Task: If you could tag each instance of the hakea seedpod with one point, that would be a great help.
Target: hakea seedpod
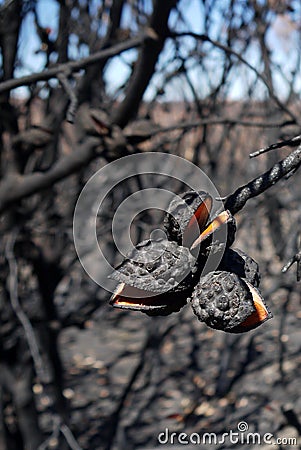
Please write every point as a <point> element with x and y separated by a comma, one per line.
<point>187,221</point>
<point>224,301</point>
<point>186,216</point>
<point>155,278</point>
<point>238,262</point>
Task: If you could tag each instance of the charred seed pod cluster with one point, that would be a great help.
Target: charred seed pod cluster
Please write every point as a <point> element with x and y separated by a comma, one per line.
<point>159,277</point>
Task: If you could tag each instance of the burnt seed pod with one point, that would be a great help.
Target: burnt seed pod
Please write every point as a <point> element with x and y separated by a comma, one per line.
<point>221,300</point>
<point>225,302</point>
<point>180,215</point>
<point>156,266</point>
<point>156,278</point>
<point>237,261</point>
<point>187,223</point>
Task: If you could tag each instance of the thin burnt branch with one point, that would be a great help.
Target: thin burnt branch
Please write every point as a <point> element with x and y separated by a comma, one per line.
<point>63,79</point>
<point>295,259</point>
<point>236,201</point>
<point>60,427</point>
<point>152,130</point>
<point>63,34</point>
<point>22,317</point>
<point>10,23</point>
<point>293,142</point>
<point>69,437</point>
<point>224,121</point>
<point>73,66</point>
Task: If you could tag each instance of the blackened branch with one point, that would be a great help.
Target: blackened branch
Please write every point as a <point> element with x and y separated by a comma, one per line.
<point>22,317</point>
<point>73,66</point>
<point>63,79</point>
<point>236,201</point>
<point>289,142</point>
<point>230,122</point>
<point>69,437</point>
<point>296,258</point>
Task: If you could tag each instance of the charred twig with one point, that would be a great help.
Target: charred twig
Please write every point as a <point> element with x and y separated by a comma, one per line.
<point>58,427</point>
<point>22,317</point>
<point>72,66</point>
<point>236,201</point>
<point>296,258</point>
<point>222,121</point>
<point>69,437</point>
<point>289,142</point>
<point>63,79</point>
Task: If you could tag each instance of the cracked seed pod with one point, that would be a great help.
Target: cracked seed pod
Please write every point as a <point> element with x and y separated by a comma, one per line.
<point>226,302</point>
<point>218,235</point>
<point>186,215</point>
<point>186,222</point>
<point>156,278</point>
<point>238,262</point>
